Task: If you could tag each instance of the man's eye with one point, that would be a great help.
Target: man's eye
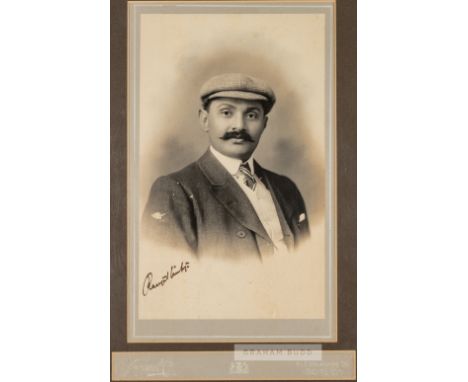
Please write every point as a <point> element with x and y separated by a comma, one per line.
<point>226,113</point>
<point>252,115</point>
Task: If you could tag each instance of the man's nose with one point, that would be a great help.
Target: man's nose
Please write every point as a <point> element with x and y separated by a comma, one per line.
<point>238,122</point>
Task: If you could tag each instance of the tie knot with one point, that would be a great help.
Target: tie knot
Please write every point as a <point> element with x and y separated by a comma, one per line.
<point>245,167</point>
<point>249,179</point>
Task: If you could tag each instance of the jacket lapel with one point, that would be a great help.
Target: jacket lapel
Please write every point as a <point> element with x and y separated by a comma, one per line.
<point>226,190</point>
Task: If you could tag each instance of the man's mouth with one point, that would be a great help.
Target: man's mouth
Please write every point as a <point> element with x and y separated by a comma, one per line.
<point>237,140</point>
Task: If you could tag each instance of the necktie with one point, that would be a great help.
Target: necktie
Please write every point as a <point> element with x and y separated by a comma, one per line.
<point>249,179</point>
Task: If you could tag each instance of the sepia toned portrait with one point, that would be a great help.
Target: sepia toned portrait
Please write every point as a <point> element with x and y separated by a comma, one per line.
<point>231,172</point>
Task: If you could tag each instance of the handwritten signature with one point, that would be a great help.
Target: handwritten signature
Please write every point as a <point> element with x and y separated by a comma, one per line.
<point>175,270</point>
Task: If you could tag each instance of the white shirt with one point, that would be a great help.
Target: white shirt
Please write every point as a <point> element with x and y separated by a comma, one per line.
<point>260,198</point>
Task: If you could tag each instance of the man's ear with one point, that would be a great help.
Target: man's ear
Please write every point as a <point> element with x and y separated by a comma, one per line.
<point>265,121</point>
<point>203,117</point>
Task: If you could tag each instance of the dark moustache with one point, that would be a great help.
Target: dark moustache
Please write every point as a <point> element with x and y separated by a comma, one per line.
<point>148,283</point>
<point>242,134</point>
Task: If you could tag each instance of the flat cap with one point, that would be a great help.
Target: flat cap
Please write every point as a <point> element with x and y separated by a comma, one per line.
<point>239,86</point>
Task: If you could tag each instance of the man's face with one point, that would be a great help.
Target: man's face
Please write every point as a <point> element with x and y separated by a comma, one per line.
<point>234,126</point>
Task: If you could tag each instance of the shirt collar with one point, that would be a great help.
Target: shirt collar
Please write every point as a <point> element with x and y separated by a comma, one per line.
<point>231,164</point>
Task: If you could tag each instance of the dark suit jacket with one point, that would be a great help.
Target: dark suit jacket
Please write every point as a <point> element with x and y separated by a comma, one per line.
<point>202,208</point>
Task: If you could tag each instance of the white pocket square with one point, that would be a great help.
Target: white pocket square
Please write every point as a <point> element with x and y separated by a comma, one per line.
<point>302,217</point>
<point>158,215</point>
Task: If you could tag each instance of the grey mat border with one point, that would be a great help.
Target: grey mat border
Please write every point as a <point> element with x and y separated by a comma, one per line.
<point>170,330</point>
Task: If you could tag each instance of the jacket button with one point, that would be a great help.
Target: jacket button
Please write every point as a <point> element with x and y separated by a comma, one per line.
<point>240,234</point>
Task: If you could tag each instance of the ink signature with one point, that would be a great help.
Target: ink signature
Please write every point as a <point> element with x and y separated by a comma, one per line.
<point>149,284</point>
